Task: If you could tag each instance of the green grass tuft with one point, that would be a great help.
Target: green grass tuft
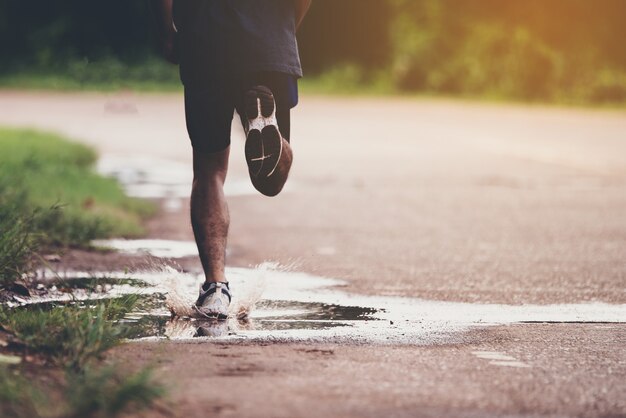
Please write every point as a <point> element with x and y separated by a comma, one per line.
<point>104,392</point>
<point>17,238</point>
<point>18,398</point>
<point>55,177</point>
<point>70,335</point>
<point>74,337</point>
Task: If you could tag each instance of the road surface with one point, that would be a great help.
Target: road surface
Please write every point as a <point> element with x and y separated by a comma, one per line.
<point>438,200</point>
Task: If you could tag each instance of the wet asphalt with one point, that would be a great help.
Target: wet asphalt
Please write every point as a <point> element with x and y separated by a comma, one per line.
<point>438,200</point>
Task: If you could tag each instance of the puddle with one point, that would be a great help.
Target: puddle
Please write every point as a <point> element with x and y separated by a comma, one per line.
<point>154,178</point>
<point>162,248</point>
<point>284,305</point>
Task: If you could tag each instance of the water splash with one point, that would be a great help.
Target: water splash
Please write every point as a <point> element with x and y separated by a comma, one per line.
<point>181,289</point>
<point>280,304</point>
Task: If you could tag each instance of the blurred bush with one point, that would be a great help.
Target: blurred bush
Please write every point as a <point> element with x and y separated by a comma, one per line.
<point>48,34</point>
<point>531,50</point>
<point>49,191</point>
<point>557,50</point>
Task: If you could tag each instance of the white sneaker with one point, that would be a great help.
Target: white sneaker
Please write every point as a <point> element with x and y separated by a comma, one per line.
<point>213,301</point>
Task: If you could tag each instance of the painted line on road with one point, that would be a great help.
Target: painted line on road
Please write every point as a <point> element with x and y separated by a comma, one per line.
<point>499,359</point>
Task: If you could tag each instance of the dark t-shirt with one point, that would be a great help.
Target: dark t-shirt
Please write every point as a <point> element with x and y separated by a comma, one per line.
<point>237,36</point>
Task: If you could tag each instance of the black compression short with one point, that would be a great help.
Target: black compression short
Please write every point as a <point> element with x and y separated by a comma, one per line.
<point>209,106</point>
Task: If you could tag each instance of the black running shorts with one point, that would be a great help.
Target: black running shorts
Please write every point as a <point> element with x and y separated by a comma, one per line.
<point>226,47</point>
<point>210,105</point>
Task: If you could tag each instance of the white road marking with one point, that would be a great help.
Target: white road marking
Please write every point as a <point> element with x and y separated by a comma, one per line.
<point>492,355</point>
<point>499,359</point>
<point>509,364</point>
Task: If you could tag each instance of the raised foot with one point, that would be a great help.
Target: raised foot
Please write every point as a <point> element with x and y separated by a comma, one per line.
<point>268,154</point>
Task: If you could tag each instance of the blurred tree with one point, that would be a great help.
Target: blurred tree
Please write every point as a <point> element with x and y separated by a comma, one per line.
<point>532,49</point>
<point>337,32</point>
<point>47,33</point>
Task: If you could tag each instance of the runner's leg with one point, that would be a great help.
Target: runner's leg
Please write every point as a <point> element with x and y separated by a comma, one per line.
<point>209,212</point>
<point>209,115</point>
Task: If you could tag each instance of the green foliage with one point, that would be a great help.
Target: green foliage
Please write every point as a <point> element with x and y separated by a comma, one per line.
<point>66,226</point>
<point>42,34</point>
<point>558,50</point>
<point>18,398</point>
<point>104,392</point>
<point>348,79</point>
<point>36,171</point>
<point>49,196</point>
<point>482,47</point>
<point>495,62</point>
<point>71,335</point>
<point>73,204</point>
<point>17,237</point>
<point>104,74</point>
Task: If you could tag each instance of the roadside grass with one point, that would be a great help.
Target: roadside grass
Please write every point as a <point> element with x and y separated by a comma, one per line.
<point>51,197</point>
<point>74,338</point>
<point>56,174</point>
<point>63,82</point>
<point>108,74</point>
<point>17,241</point>
<point>351,81</point>
<point>604,90</point>
<point>18,398</point>
<point>105,392</point>
<point>96,392</point>
<point>70,335</point>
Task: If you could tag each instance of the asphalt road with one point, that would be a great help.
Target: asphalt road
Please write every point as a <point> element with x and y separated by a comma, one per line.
<point>437,200</point>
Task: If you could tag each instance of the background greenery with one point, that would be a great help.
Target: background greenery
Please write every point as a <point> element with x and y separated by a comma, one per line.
<point>556,50</point>
<point>47,171</point>
<point>50,197</point>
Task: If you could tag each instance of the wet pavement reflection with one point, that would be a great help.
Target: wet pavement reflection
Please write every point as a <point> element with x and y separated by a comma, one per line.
<point>272,303</point>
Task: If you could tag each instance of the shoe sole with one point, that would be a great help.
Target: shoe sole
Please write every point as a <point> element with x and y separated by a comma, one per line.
<point>264,144</point>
